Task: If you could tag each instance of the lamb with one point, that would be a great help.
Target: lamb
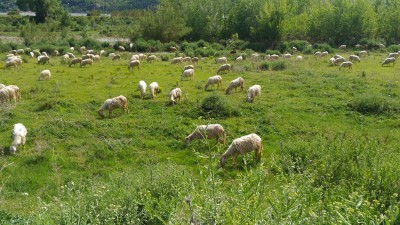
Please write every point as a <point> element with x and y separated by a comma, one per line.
<point>347,64</point>
<point>151,58</point>
<point>224,67</point>
<point>210,131</point>
<point>222,60</point>
<point>388,61</point>
<point>177,60</point>
<point>154,89</point>
<point>86,62</point>
<point>187,73</point>
<point>238,82</point>
<point>253,91</point>
<point>134,63</point>
<point>354,58</point>
<point>241,146</point>
<point>44,75</point>
<point>175,94</point>
<point>18,136</point>
<point>75,61</point>
<point>318,53</point>
<point>213,80</point>
<point>42,59</point>
<point>113,103</point>
<point>142,87</point>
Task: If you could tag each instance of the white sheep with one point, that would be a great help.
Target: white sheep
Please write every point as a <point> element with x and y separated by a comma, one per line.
<point>20,51</point>
<point>388,61</point>
<point>135,57</point>
<point>239,59</point>
<point>70,55</point>
<point>210,131</point>
<point>177,60</point>
<point>195,60</point>
<point>189,73</point>
<point>15,89</point>
<point>151,58</point>
<point>42,59</point>
<point>134,63</point>
<point>253,91</point>
<point>87,62</point>
<point>187,59</point>
<point>113,103</point>
<point>224,67</point>
<point>299,58</point>
<point>274,57</point>
<point>332,61</point>
<point>238,82</point>
<point>142,88</point>
<point>142,56</point>
<point>324,54</point>
<point>4,95</point>
<point>187,67</point>
<point>154,89</point>
<point>287,56</point>
<point>213,80</point>
<point>339,60</point>
<point>347,64</point>
<point>121,48</point>
<point>393,54</point>
<point>10,64</point>
<point>354,58</point>
<point>343,47</point>
<point>18,136</point>
<point>44,75</point>
<point>116,57</point>
<point>75,61</point>
<point>175,94</point>
<point>241,146</point>
<point>363,53</point>
<point>318,53</point>
<point>222,60</point>
<point>255,56</point>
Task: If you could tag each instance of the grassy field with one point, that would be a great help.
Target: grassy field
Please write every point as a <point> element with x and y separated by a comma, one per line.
<point>330,142</point>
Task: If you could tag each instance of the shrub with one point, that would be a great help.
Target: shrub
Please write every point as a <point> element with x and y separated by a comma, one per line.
<point>373,104</point>
<point>308,50</point>
<point>393,48</point>
<point>299,44</point>
<point>142,45</point>
<point>216,106</point>
<point>90,43</point>
<point>324,47</point>
<point>370,43</point>
<point>4,47</point>
<point>263,66</point>
<point>279,65</point>
<point>164,58</point>
<point>202,44</point>
<point>271,52</point>
<point>170,44</point>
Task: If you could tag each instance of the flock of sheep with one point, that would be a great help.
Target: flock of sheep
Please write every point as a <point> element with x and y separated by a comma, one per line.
<point>242,145</point>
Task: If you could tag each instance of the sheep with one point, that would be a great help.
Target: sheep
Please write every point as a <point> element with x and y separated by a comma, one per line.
<point>363,53</point>
<point>142,87</point>
<point>195,60</point>
<point>274,57</point>
<point>116,57</point>
<point>286,56</point>
<point>32,54</point>
<point>317,53</point>
<point>121,48</point>
<point>86,62</point>
<point>241,146</point>
<point>44,75</point>
<point>388,61</point>
<point>332,61</point>
<point>187,59</point>
<point>177,60</point>
<point>75,61</point>
<point>187,73</point>
<point>96,57</point>
<point>381,46</point>
<point>56,53</point>
<point>70,55</point>
<point>347,64</point>
<point>82,49</point>
<point>210,131</point>
<point>299,58</point>
<point>172,49</point>
<point>187,67</point>
<point>354,58</point>
<point>90,51</point>
<point>113,103</point>
<point>10,64</point>
<point>102,52</point>
<point>222,60</point>
<point>213,80</point>
<point>87,56</point>
<point>45,54</point>
<point>224,67</point>
<point>239,59</point>
<point>15,89</point>
<point>42,59</point>
<point>142,56</point>
<point>238,82</point>
<point>254,56</point>
<point>18,136</point>
<point>343,47</point>
<point>65,57</point>
<point>339,60</point>
<point>324,54</point>
<point>111,55</point>
<point>134,63</point>
<point>151,58</point>
<point>12,93</point>
<point>135,57</point>
<point>20,51</point>
<point>337,56</point>
<point>4,95</point>
<point>253,91</point>
<point>175,94</point>
<point>154,89</point>
<point>393,54</point>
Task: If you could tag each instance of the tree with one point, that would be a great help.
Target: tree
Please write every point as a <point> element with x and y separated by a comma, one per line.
<point>42,8</point>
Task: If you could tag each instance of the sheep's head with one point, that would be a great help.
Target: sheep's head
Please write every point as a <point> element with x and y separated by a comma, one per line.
<point>222,161</point>
<point>12,150</point>
<point>100,112</point>
<point>186,141</point>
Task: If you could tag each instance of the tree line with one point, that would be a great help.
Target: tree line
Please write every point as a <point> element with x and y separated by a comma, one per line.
<point>264,23</point>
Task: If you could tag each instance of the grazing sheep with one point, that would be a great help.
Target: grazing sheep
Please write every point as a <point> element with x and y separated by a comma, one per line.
<point>87,62</point>
<point>56,53</point>
<point>363,53</point>
<point>213,80</point>
<point>189,73</point>
<point>173,49</point>
<point>238,82</point>
<point>255,56</point>
<point>10,64</point>
<point>253,91</point>
<point>339,60</point>
<point>381,46</point>
<point>32,54</point>
<point>195,60</point>
<point>44,75</point>
<point>121,48</point>
<point>274,57</point>
<point>135,57</point>
<point>239,59</point>
<point>142,56</point>
<point>324,54</point>
<point>96,57</point>
<point>187,59</point>
<point>75,61</point>
<point>175,94</point>
<point>142,87</point>
<point>299,58</point>
<point>42,59</point>
<point>154,89</point>
<point>354,58</point>
<point>113,103</point>
<point>347,64</point>
<point>82,49</point>
<point>102,52</point>
<point>286,56</point>
<point>90,51</point>
<point>224,67</point>
<point>4,95</point>
<point>211,131</point>
<point>317,53</point>
<point>116,57</point>
<point>111,55</point>
<point>65,57</point>
<point>241,146</point>
<point>134,63</point>
<point>15,89</point>
<point>393,54</point>
<point>18,136</point>
<point>20,51</point>
<point>337,56</point>
<point>177,60</point>
<point>388,61</point>
<point>343,47</point>
<point>70,55</point>
<point>151,58</point>
<point>332,61</point>
<point>187,67</point>
<point>222,60</point>
<point>87,56</point>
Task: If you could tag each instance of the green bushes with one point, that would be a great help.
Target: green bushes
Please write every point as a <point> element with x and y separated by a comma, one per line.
<point>373,104</point>
<point>279,65</point>
<point>216,106</point>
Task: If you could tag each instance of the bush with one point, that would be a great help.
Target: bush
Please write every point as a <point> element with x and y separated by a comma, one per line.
<point>202,44</point>
<point>370,43</point>
<point>216,106</point>
<point>141,45</point>
<point>324,47</point>
<point>271,52</point>
<point>308,50</point>
<point>373,104</point>
<point>5,47</point>
<point>170,44</point>
<point>393,48</point>
<point>263,66</point>
<point>90,43</point>
<point>299,44</point>
<point>279,65</point>
<point>164,58</point>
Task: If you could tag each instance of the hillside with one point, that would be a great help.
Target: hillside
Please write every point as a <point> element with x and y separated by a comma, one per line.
<point>87,5</point>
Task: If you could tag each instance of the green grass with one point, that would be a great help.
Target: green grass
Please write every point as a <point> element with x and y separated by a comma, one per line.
<point>330,145</point>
